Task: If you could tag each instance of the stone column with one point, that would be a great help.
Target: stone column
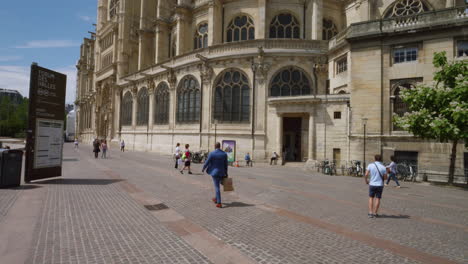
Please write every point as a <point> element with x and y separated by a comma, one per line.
<point>161,41</point>
<point>260,27</point>
<point>311,148</point>
<point>317,18</point>
<point>450,3</point>
<point>214,23</point>
<point>134,107</point>
<point>279,137</point>
<point>151,105</point>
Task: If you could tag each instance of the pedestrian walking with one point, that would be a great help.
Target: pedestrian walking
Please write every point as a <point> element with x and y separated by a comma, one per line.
<point>177,155</point>
<point>96,149</point>
<point>248,160</point>
<point>392,171</point>
<point>378,174</point>
<point>217,166</point>
<point>186,158</point>
<point>76,143</point>
<point>104,149</point>
<point>122,145</point>
<point>274,158</point>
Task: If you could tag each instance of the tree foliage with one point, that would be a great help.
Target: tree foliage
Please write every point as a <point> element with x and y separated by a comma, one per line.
<point>440,110</point>
<point>13,117</point>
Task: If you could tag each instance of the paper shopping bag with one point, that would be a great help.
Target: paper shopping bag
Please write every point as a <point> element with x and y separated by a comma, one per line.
<point>227,185</point>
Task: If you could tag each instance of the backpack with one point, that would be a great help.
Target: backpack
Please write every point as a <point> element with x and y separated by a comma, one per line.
<point>183,156</point>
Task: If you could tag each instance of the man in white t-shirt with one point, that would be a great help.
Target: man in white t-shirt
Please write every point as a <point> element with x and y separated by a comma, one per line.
<point>378,174</point>
<point>177,155</point>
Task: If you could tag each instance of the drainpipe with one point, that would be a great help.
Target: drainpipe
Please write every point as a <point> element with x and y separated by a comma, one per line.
<point>304,19</point>
<point>381,90</point>
<point>254,71</point>
<point>222,27</point>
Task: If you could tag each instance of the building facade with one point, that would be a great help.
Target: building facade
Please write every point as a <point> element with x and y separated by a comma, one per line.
<point>303,78</point>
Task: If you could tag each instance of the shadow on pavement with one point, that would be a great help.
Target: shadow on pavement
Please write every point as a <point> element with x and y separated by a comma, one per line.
<point>236,204</point>
<point>23,187</point>
<point>74,181</point>
<point>394,216</point>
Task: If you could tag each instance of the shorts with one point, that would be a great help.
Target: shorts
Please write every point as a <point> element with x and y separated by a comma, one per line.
<point>375,191</point>
<point>187,163</point>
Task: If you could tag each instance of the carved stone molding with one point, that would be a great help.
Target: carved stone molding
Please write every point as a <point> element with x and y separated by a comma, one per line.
<point>260,67</point>
<point>171,76</point>
<point>151,86</point>
<point>206,71</point>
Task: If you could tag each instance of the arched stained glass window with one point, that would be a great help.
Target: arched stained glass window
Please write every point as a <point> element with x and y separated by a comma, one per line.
<point>232,97</point>
<point>143,107</point>
<point>290,81</point>
<point>240,28</point>
<point>201,37</point>
<point>406,8</point>
<point>126,110</point>
<point>285,26</point>
<point>188,100</point>
<point>329,29</point>
<point>161,113</point>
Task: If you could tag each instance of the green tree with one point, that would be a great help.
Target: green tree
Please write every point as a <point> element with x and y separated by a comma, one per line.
<point>13,117</point>
<point>439,111</point>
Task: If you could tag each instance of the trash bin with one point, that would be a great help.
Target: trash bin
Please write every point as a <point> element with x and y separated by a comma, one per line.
<point>10,167</point>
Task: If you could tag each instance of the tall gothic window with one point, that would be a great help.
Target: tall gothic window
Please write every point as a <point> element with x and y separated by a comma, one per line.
<point>285,26</point>
<point>406,8</point>
<point>126,110</point>
<point>329,29</point>
<point>161,115</point>
<point>240,28</point>
<point>188,100</point>
<point>201,37</point>
<point>290,81</point>
<point>232,97</point>
<point>143,107</point>
<point>113,8</point>
<point>399,106</point>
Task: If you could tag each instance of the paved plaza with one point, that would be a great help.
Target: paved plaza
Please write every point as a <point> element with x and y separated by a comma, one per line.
<point>134,207</point>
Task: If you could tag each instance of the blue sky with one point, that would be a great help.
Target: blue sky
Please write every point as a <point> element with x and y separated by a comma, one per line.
<point>48,32</point>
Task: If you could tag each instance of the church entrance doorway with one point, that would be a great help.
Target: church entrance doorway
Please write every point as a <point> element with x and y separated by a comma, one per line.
<point>292,139</point>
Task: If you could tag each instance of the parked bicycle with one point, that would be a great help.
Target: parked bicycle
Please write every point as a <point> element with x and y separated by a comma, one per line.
<point>199,156</point>
<point>355,169</point>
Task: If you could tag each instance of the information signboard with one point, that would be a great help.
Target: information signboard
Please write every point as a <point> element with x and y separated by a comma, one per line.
<point>44,141</point>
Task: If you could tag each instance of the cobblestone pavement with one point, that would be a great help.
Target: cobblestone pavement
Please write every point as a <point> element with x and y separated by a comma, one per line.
<point>7,199</point>
<point>276,215</point>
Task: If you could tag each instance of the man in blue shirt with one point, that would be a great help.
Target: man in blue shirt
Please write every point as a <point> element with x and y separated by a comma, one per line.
<point>248,161</point>
<point>217,166</point>
<point>377,173</point>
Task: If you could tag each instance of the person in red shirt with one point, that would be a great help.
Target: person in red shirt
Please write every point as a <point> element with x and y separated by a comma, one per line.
<point>187,157</point>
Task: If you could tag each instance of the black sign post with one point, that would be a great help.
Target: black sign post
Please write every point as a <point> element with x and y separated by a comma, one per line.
<point>44,140</point>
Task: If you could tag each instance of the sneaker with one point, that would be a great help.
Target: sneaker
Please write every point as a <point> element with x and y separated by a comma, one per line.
<point>376,215</point>
<point>370,215</point>
<point>398,186</point>
<point>214,200</point>
<point>190,172</point>
<point>219,205</point>
<point>181,172</point>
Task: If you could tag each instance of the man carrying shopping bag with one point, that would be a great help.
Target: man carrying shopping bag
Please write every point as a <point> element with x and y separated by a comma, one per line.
<point>217,166</point>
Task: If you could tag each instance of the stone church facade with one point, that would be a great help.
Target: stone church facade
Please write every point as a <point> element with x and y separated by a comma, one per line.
<point>303,78</point>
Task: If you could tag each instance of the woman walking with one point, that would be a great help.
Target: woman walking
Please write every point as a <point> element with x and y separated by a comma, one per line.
<point>186,159</point>
<point>104,149</point>
<point>96,149</point>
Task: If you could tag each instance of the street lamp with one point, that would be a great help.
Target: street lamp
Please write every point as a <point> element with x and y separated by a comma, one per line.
<point>215,122</point>
<point>364,122</point>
